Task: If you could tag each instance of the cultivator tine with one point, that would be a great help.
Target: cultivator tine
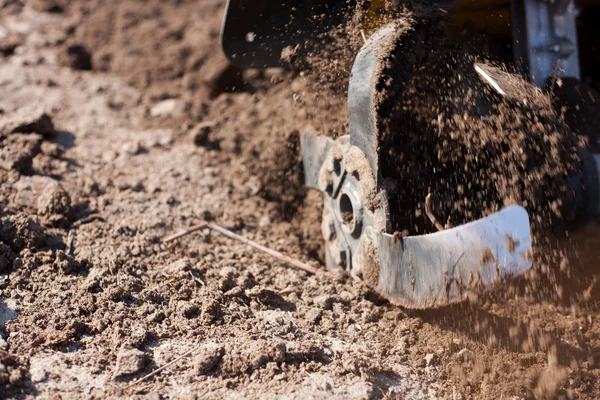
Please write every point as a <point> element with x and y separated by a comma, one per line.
<point>314,151</point>
<point>444,267</point>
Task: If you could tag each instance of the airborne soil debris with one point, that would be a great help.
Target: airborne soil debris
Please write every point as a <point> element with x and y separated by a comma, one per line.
<point>120,303</point>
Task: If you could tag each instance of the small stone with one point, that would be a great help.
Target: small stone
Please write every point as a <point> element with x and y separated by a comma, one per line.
<point>164,108</point>
<point>130,361</point>
<point>133,148</point>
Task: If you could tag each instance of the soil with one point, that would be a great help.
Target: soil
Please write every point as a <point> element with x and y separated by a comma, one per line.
<point>97,166</point>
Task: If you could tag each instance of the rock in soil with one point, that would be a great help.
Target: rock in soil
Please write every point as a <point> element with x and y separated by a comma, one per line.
<point>129,362</point>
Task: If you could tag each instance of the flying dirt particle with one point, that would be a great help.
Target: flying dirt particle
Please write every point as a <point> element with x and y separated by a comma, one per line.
<point>486,256</point>
<point>549,382</point>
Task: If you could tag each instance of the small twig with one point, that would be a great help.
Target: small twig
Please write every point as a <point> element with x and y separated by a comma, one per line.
<point>429,213</point>
<point>185,233</point>
<point>167,365</point>
<point>251,243</point>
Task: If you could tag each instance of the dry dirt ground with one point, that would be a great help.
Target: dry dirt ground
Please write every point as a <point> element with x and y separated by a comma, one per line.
<point>121,123</point>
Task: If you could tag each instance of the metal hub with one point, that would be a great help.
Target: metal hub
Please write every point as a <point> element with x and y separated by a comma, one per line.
<point>346,219</point>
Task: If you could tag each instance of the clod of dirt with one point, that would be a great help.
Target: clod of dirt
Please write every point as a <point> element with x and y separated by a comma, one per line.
<point>7,256</point>
<point>228,278</point>
<point>17,152</point>
<point>12,372</point>
<point>76,57</point>
<point>201,133</point>
<point>54,200</point>
<point>9,43</point>
<point>53,150</point>
<point>326,301</point>
<point>130,361</point>
<point>253,355</point>
<point>27,120</point>
<point>66,263</point>
<point>208,359</point>
<point>20,231</point>
<point>50,6</point>
<point>211,310</point>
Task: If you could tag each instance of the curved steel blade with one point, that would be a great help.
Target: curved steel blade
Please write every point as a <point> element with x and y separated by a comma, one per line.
<point>362,92</point>
<point>444,267</point>
<point>314,150</point>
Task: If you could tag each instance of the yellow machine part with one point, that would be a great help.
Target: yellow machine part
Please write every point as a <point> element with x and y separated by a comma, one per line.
<point>489,16</point>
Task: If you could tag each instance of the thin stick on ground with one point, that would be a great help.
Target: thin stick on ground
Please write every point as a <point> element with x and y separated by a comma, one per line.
<point>225,232</point>
<point>167,365</point>
<point>429,213</point>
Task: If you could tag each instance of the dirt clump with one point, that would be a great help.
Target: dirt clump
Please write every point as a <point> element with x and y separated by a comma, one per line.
<point>130,361</point>
<point>12,372</point>
<point>76,56</point>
